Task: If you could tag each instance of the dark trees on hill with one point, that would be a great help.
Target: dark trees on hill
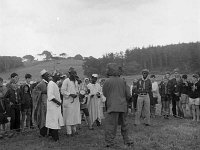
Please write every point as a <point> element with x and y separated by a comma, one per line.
<point>185,56</point>
<point>8,62</point>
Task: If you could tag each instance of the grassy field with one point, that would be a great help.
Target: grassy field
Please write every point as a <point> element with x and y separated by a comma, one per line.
<point>34,69</point>
<point>172,134</point>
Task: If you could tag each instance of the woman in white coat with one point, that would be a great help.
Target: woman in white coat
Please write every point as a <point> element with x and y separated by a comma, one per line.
<point>54,119</point>
<point>71,104</point>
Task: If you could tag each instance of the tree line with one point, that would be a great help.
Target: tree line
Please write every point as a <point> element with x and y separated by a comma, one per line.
<point>158,59</point>
<point>10,62</point>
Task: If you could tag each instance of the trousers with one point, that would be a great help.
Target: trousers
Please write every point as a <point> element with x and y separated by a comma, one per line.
<point>112,120</point>
<point>143,104</point>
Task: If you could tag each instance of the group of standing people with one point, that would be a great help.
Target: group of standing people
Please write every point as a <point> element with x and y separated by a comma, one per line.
<point>15,104</point>
<point>182,92</point>
<point>56,101</point>
<point>59,100</point>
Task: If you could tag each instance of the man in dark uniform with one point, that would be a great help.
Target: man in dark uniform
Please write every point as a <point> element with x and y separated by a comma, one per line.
<point>116,92</point>
<point>175,93</point>
<point>144,90</point>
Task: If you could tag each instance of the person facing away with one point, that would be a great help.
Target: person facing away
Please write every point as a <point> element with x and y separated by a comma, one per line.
<point>116,93</point>
<point>54,119</point>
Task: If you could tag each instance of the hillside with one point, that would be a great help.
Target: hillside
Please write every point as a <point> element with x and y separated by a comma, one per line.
<point>61,65</point>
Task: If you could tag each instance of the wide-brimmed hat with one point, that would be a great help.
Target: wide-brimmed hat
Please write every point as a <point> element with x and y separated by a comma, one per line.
<point>145,71</point>
<point>43,72</point>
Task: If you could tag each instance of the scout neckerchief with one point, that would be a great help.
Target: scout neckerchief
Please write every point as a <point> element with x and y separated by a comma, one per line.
<point>143,82</point>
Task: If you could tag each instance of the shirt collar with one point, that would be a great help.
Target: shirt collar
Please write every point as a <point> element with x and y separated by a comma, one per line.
<point>44,80</point>
<point>144,79</point>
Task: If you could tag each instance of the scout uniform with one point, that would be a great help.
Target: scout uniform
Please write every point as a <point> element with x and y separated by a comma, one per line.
<point>144,89</point>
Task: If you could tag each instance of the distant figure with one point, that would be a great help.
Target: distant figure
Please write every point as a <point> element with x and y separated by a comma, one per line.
<point>144,90</point>
<point>116,92</point>
<point>164,90</point>
<point>194,94</point>
<point>3,109</point>
<point>26,107</point>
<point>175,94</point>
<point>14,98</point>
<point>83,97</point>
<point>184,91</point>
<point>94,99</point>
<point>155,95</point>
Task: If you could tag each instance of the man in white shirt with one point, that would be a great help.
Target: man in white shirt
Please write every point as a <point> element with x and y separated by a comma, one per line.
<point>154,97</point>
<point>54,119</point>
<point>71,104</point>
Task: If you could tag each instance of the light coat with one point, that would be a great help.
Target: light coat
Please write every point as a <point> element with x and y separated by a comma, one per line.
<point>54,119</point>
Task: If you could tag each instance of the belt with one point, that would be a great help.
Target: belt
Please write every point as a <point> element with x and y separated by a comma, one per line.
<point>143,94</point>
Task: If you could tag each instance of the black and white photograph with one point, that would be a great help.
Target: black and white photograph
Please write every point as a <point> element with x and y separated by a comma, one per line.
<point>99,75</point>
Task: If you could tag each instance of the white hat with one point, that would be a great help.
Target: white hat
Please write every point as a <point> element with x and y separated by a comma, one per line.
<point>43,72</point>
<point>95,75</point>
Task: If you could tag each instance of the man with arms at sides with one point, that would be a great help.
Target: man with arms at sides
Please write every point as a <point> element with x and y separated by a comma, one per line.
<point>40,103</point>
<point>116,92</point>
<point>144,90</point>
<point>94,100</point>
<point>71,104</point>
<point>54,119</point>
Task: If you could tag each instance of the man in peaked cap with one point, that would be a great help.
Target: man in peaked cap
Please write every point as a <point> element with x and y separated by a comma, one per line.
<point>40,102</point>
<point>144,90</point>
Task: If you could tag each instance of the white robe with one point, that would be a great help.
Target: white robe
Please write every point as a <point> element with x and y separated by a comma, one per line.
<point>71,108</point>
<point>94,102</point>
<point>54,119</point>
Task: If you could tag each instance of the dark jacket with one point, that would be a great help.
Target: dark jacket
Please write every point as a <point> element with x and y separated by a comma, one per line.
<point>174,87</point>
<point>141,88</point>
<point>164,89</point>
<point>26,99</point>
<point>196,92</point>
<point>13,96</point>
<point>184,88</point>
<point>116,92</point>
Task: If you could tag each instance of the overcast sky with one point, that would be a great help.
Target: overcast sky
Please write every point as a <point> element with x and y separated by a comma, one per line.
<point>94,27</point>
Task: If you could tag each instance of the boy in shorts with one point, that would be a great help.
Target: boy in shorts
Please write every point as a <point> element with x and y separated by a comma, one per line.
<point>194,94</point>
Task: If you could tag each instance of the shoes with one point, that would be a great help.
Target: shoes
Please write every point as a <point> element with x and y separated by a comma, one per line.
<point>146,124</point>
<point>91,128</point>
<point>129,144</point>
<point>69,135</point>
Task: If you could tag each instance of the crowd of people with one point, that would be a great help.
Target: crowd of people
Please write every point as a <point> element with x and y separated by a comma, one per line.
<point>64,100</point>
<point>181,92</point>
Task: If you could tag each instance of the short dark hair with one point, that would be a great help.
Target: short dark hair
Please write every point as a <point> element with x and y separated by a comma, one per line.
<point>28,76</point>
<point>13,75</point>
<point>1,79</point>
<point>184,76</point>
<point>152,76</point>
